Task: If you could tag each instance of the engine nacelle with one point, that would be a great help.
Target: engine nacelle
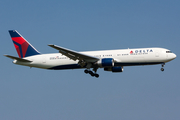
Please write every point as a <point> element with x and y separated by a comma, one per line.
<point>114,69</point>
<point>106,62</point>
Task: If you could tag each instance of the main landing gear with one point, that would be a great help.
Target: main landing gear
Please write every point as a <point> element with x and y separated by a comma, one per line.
<point>163,64</point>
<point>89,65</point>
<point>91,73</point>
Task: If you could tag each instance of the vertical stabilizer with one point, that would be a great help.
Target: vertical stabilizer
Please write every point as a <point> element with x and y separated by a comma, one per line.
<point>23,47</point>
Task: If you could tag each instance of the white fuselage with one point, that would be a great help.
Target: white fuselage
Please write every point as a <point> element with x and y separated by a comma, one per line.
<point>122,57</point>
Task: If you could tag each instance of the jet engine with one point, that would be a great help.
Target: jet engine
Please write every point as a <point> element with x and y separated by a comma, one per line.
<point>114,69</point>
<point>106,62</point>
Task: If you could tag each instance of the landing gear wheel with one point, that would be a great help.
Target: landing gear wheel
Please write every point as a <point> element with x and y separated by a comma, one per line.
<point>96,75</point>
<point>163,64</point>
<point>91,73</point>
<point>86,71</point>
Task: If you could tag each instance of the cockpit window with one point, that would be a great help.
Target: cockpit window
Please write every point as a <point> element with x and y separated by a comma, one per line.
<point>168,52</point>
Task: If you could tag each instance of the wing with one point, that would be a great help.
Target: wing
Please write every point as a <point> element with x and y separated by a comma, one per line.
<point>18,59</point>
<point>75,55</point>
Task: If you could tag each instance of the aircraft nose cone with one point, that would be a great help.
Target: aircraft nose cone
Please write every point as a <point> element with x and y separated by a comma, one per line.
<point>171,56</point>
<point>174,56</point>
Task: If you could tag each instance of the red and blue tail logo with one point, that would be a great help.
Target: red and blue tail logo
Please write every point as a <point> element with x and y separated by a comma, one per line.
<point>23,47</point>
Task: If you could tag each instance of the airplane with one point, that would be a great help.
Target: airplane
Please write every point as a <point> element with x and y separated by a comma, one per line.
<point>110,60</point>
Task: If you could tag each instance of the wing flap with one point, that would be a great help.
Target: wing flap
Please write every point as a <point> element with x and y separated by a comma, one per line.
<point>74,55</point>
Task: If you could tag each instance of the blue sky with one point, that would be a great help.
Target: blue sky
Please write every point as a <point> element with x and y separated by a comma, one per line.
<point>141,92</point>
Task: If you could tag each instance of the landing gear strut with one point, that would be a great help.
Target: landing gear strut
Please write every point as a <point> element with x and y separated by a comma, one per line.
<point>163,64</point>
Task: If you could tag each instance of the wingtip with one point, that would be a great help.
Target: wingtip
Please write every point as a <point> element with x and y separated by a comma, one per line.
<point>6,55</point>
<point>50,45</point>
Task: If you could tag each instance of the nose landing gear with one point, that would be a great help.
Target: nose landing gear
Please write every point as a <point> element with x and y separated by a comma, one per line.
<point>163,64</point>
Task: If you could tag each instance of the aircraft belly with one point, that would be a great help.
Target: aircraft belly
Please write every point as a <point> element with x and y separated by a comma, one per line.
<point>67,66</point>
<point>62,64</point>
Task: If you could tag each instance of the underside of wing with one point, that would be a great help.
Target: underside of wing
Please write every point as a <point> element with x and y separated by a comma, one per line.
<point>74,55</point>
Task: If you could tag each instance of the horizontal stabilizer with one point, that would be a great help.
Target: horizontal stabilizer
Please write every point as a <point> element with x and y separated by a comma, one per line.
<point>18,59</point>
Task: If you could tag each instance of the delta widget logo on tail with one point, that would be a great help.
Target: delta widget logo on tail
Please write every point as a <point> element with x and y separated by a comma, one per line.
<point>23,48</point>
